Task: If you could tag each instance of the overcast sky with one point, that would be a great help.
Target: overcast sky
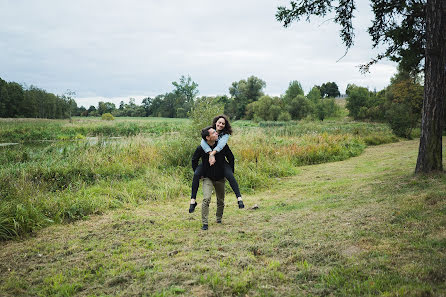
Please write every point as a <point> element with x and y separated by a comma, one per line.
<point>113,50</point>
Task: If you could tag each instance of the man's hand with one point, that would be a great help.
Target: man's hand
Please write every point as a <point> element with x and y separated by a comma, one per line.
<point>211,160</point>
<point>212,157</point>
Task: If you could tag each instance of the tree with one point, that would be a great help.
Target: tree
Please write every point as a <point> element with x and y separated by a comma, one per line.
<point>91,111</point>
<point>70,102</point>
<point>242,93</point>
<point>147,104</point>
<point>166,108</point>
<point>411,31</point>
<point>82,111</point>
<point>315,94</point>
<point>329,89</point>
<point>404,99</point>
<point>185,90</point>
<point>326,108</point>
<point>4,99</point>
<point>105,107</point>
<point>430,151</point>
<point>266,109</point>
<point>300,107</point>
<point>16,98</point>
<point>358,101</point>
<point>404,103</point>
<point>294,89</point>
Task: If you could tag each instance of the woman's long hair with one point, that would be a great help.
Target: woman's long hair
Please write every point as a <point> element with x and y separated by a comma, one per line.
<point>227,129</point>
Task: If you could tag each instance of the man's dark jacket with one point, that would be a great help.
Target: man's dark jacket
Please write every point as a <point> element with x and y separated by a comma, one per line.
<point>216,171</point>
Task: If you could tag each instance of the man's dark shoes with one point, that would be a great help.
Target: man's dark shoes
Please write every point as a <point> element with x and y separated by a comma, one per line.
<point>240,204</point>
<point>218,221</point>
<point>205,227</point>
<point>192,207</point>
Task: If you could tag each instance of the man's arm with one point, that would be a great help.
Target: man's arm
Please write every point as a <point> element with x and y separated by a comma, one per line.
<point>222,141</point>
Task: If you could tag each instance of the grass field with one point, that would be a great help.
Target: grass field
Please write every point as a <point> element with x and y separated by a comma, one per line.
<point>365,226</point>
<point>25,130</point>
<point>59,181</point>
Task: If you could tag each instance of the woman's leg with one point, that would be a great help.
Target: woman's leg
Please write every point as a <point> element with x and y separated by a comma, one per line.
<point>195,184</point>
<point>196,181</point>
<point>231,179</point>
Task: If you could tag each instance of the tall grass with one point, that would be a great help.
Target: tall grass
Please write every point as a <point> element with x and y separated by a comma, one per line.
<point>65,181</point>
<point>371,133</point>
<point>24,130</point>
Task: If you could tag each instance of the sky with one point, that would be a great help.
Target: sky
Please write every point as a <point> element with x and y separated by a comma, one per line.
<point>110,50</point>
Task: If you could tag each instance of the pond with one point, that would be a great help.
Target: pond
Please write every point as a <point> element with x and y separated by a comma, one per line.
<point>8,144</point>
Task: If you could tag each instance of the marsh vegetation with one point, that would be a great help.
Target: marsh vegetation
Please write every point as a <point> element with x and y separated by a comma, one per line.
<point>57,174</point>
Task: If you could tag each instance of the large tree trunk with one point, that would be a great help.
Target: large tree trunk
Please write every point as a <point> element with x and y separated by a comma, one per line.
<point>430,151</point>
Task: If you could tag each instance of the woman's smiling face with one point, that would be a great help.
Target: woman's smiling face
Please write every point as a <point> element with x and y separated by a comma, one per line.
<point>220,124</point>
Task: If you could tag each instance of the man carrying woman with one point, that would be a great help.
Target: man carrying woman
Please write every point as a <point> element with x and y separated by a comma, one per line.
<point>222,127</point>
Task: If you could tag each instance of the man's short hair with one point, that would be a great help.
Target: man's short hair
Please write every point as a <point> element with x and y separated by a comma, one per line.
<point>205,132</point>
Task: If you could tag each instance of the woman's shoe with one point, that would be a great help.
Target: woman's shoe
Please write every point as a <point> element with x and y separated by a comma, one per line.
<point>192,207</point>
<point>240,204</point>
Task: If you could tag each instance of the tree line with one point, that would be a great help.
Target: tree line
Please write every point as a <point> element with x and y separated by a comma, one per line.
<point>247,100</point>
<point>399,104</point>
<point>17,101</point>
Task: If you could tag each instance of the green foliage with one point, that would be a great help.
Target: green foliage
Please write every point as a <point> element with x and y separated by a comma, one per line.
<point>294,89</point>
<point>329,90</point>
<point>16,101</point>
<point>404,103</point>
<point>401,119</point>
<point>107,116</point>
<point>358,97</point>
<point>299,107</point>
<point>105,107</point>
<point>202,114</point>
<point>399,104</point>
<point>185,90</point>
<point>315,94</point>
<point>326,108</point>
<point>242,93</point>
<point>284,116</point>
<point>131,109</point>
<point>265,109</point>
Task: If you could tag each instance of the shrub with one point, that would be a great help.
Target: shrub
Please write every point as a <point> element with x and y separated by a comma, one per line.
<point>401,119</point>
<point>326,108</point>
<point>284,116</point>
<point>108,116</point>
<point>358,97</point>
<point>202,114</point>
<point>299,107</point>
<point>266,108</point>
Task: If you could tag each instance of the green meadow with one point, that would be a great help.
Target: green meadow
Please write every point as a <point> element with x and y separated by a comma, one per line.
<point>95,208</point>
